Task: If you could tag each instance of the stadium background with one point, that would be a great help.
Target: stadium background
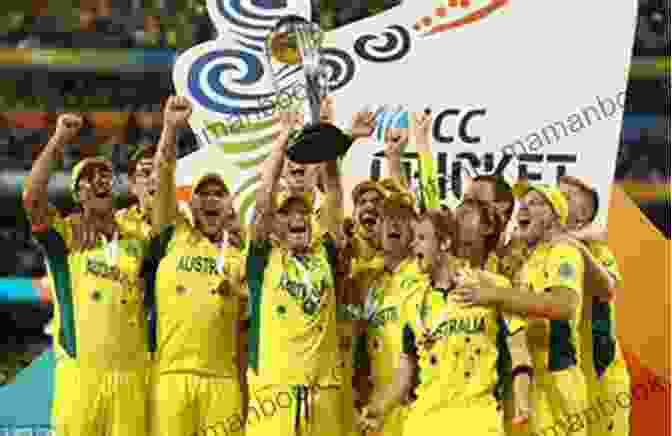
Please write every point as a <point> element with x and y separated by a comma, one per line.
<point>46,68</point>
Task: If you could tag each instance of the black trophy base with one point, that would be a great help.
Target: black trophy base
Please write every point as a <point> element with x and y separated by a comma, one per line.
<point>319,143</point>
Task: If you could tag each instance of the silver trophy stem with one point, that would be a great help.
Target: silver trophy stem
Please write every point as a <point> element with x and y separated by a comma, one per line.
<point>276,83</point>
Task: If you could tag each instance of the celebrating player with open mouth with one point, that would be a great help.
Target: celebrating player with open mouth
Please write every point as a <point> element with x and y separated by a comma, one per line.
<point>196,289</point>
<point>549,291</point>
<point>100,323</point>
<point>460,353</point>
<point>293,342</point>
<point>387,291</point>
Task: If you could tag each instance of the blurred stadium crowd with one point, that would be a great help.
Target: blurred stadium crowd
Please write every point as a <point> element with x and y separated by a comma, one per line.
<point>174,25</point>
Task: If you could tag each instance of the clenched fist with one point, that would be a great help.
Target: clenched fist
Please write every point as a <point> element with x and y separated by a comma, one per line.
<point>68,126</point>
<point>177,111</point>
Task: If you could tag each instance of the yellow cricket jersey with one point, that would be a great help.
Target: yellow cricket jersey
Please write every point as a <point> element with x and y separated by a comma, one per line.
<point>462,352</point>
<point>366,255</point>
<point>196,301</point>
<point>553,343</point>
<point>606,350</point>
<point>99,315</point>
<point>517,254</point>
<point>136,219</point>
<point>293,338</point>
<point>388,294</point>
<point>514,323</point>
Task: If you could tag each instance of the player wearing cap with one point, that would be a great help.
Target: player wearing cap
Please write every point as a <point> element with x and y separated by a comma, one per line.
<point>293,344</point>
<point>604,364</point>
<point>196,299</point>
<point>548,290</point>
<point>461,353</point>
<point>100,325</point>
<point>386,290</point>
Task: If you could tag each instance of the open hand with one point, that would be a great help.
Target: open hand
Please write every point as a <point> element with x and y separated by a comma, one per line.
<point>363,124</point>
<point>421,126</point>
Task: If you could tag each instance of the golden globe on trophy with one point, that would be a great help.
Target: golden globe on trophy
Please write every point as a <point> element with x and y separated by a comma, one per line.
<point>296,41</point>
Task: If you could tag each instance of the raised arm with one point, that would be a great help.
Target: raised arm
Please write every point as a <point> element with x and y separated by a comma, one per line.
<point>331,217</point>
<point>421,133</point>
<point>35,192</point>
<point>395,139</point>
<point>175,115</point>
<point>263,225</point>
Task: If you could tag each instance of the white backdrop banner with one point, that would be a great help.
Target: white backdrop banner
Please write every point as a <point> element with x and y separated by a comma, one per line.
<point>523,88</point>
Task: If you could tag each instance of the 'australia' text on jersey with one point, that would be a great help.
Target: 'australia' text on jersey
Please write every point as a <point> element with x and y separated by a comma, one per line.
<point>199,264</point>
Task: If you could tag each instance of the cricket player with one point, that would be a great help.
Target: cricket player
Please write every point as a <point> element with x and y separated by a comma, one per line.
<point>143,187</point>
<point>604,364</point>
<point>460,353</point>
<point>387,291</point>
<point>196,288</point>
<point>549,292</point>
<point>492,190</point>
<point>100,328</point>
<point>293,345</point>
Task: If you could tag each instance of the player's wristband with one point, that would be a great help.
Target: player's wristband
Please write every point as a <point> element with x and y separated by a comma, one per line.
<point>522,369</point>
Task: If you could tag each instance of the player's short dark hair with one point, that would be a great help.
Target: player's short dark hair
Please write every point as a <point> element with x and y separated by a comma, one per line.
<point>443,221</point>
<point>490,217</point>
<point>143,152</point>
<point>503,191</point>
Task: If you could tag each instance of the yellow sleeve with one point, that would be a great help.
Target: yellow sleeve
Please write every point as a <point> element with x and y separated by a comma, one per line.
<point>429,185</point>
<point>606,258</point>
<point>564,268</point>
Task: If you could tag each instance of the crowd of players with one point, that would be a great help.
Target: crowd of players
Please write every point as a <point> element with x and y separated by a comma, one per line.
<point>490,317</point>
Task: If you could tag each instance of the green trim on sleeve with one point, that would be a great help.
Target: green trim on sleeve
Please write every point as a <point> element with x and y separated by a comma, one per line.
<point>56,254</point>
<point>257,259</point>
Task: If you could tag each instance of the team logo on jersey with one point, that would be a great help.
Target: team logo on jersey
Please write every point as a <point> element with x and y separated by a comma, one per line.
<point>101,269</point>
<point>309,296</point>
<point>567,271</point>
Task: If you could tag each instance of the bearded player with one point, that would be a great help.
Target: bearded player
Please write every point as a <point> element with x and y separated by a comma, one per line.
<point>100,330</point>
<point>293,342</point>
<point>549,292</point>
<point>605,367</point>
<point>460,353</point>
<point>195,282</point>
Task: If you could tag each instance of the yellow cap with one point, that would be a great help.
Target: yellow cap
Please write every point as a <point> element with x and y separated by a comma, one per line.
<point>367,185</point>
<point>283,197</point>
<point>210,176</point>
<point>79,169</point>
<point>552,193</point>
<point>397,201</point>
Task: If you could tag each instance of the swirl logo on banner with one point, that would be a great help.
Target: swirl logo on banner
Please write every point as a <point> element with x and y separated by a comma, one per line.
<point>532,103</point>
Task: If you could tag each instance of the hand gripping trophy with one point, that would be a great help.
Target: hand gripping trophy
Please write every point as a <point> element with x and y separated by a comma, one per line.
<point>295,41</point>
